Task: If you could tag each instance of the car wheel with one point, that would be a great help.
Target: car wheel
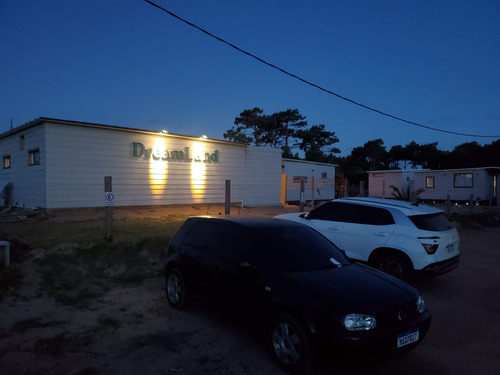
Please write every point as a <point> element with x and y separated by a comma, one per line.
<point>394,265</point>
<point>290,344</point>
<point>175,288</point>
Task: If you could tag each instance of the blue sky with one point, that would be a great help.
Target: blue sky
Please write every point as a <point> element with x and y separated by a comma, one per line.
<point>126,63</point>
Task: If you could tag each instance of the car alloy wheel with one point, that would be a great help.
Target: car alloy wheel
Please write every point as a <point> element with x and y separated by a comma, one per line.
<point>175,288</point>
<point>290,343</point>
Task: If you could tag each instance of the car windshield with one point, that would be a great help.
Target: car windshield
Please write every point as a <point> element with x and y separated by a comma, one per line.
<point>296,249</point>
<point>432,222</point>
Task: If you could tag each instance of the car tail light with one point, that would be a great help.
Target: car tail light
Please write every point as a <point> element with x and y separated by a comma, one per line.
<point>430,248</point>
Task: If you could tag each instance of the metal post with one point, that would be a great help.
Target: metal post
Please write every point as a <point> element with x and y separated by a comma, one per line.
<point>312,191</point>
<point>301,202</point>
<point>471,204</point>
<point>228,198</point>
<point>448,205</point>
<point>108,188</point>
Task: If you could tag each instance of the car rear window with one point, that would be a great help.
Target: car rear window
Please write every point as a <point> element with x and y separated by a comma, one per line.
<point>432,222</point>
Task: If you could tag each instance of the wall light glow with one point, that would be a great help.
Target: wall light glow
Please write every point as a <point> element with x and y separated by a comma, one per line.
<point>198,172</point>
<point>157,170</point>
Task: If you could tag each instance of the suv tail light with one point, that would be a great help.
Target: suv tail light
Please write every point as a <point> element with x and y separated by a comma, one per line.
<point>430,248</point>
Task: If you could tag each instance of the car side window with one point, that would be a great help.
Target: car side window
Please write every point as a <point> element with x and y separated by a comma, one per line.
<point>369,215</point>
<point>236,246</point>
<point>331,211</point>
<point>205,236</point>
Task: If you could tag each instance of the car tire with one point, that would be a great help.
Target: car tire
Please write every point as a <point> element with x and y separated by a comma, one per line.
<point>290,344</point>
<point>395,265</point>
<point>175,288</point>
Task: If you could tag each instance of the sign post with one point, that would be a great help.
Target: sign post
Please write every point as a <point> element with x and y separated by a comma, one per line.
<point>109,202</point>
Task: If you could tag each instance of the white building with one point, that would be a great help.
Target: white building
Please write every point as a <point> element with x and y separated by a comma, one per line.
<point>380,182</point>
<point>54,163</point>
<point>319,180</point>
<point>458,184</point>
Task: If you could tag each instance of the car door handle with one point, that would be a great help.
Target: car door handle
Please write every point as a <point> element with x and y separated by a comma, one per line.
<point>382,234</point>
<point>334,228</point>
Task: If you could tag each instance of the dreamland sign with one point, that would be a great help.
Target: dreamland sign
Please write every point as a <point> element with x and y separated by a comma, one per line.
<point>162,153</point>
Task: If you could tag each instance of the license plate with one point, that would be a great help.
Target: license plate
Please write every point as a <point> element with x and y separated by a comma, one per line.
<point>407,338</point>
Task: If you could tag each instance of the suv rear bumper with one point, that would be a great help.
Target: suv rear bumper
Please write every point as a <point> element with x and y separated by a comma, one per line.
<point>442,267</point>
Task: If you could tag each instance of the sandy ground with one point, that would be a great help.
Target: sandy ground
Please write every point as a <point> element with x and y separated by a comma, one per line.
<point>131,329</point>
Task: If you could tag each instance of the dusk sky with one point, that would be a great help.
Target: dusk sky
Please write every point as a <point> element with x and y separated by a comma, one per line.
<point>128,63</point>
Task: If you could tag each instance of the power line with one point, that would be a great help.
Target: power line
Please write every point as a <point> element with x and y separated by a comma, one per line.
<point>313,84</point>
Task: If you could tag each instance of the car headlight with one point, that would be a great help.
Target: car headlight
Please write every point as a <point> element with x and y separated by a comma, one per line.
<point>359,322</point>
<point>420,304</point>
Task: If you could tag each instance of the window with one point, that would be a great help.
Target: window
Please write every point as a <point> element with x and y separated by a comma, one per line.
<point>205,237</point>
<point>34,157</point>
<point>236,245</point>
<point>297,179</point>
<point>6,162</point>
<point>431,222</point>
<point>463,180</point>
<point>369,215</point>
<point>429,182</point>
<point>330,211</point>
<point>286,249</point>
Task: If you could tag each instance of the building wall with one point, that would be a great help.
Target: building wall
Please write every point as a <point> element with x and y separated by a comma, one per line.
<point>482,188</point>
<point>380,182</point>
<point>324,180</point>
<point>28,180</point>
<point>79,157</point>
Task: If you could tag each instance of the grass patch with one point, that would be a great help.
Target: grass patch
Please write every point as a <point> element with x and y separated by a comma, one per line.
<point>75,275</point>
<point>50,235</point>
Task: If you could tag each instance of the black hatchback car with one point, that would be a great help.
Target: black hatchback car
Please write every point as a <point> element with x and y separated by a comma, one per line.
<point>287,277</point>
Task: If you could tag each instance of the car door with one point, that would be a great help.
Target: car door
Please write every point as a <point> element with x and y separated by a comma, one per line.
<point>239,282</point>
<point>366,228</point>
<point>198,252</point>
<point>329,219</point>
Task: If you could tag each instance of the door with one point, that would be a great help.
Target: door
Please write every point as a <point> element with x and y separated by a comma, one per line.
<point>198,252</point>
<point>329,219</point>
<point>239,283</point>
<point>366,228</point>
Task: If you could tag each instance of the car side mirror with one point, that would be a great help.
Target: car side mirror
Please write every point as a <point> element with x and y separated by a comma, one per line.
<point>304,216</point>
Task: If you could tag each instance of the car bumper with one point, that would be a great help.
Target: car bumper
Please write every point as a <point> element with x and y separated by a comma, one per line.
<point>442,267</point>
<point>374,342</point>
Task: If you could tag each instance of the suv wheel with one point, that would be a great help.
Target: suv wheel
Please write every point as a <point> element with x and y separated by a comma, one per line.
<point>395,265</point>
<point>175,288</point>
<point>290,343</point>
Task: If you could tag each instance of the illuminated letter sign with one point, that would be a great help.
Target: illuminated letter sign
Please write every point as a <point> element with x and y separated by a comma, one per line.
<point>157,153</point>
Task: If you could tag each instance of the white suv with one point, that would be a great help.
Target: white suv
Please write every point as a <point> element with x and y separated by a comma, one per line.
<point>394,236</point>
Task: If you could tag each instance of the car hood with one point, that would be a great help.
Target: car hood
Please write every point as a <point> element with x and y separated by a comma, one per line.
<point>352,288</point>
